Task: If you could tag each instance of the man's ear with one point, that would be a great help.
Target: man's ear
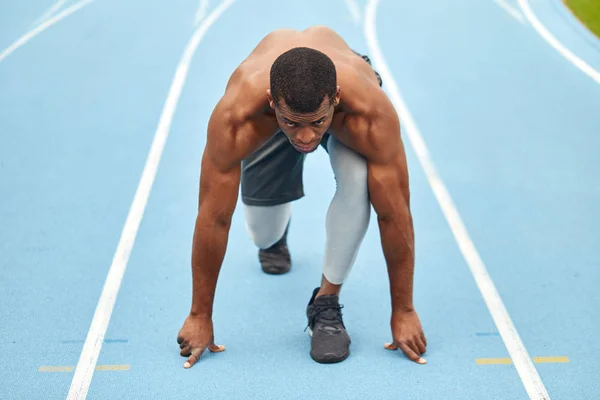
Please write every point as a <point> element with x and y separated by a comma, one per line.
<point>270,98</point>
<point>336,99</point>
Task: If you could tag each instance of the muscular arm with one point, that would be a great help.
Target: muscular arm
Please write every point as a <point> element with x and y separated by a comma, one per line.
<point>390,196</point>
<point>219,182</point>
<point>232,135</point>
<point>390,200</point>
<point>219,186</point>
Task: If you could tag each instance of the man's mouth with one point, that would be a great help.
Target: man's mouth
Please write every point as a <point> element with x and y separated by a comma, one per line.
<point>305,148</point>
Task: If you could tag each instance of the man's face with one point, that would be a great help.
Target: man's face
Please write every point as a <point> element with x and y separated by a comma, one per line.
<point>305,130</point>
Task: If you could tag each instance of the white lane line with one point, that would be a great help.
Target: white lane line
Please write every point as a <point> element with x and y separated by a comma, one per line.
<point>516,349</point>
<point>511,11</point>
<point>95,337</point>
<point>354,10</point>
<point>53,8</point>
<point>558,46</point>
<point>201,12</point>
<point>46,24</point>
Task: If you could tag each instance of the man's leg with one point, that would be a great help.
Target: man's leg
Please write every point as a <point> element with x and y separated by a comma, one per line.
<point>271,180</point>
<point>348,215</point>
<point>347,222</point>
<point>344,234</point>
<point>267,227</point>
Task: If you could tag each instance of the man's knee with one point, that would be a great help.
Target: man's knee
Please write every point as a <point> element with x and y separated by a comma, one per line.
<point>266,225</point>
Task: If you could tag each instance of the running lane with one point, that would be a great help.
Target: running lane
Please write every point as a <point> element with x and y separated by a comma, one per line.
<point>18,17</point>
<point>261,318</point>
<point>78,108</point>
<point>513,128</point>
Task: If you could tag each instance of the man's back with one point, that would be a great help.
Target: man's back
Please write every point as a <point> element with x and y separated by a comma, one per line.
<point>246,96</point>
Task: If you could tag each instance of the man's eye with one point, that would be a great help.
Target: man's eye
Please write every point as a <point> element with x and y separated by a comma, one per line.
<point>319,122</point>
<point>290,123</point>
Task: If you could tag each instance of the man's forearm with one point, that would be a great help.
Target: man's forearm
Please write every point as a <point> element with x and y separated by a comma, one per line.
<point>397,239</point>
<point>208,251</point>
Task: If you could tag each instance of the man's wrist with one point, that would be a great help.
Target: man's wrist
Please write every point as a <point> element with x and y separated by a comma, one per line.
<point>403,308</point>
<point>200,311</point>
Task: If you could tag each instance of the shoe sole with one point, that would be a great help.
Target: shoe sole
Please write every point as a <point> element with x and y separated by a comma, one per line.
<point>276,271</point>
<point>328,358</point>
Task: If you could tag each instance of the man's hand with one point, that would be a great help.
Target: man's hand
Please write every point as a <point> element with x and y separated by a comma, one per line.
<point>408,335</point>
<point>195,336</point>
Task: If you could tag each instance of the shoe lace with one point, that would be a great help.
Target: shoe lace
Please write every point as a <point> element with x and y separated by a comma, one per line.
<point>330,316</point>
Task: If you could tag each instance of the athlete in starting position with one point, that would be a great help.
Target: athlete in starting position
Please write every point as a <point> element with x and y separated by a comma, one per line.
<point>296,91</point>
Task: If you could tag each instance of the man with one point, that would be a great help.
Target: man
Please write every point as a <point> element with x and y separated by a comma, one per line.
<point>295,91</point>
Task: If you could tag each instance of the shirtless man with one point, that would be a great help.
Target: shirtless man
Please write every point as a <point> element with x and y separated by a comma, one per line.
<point>296,91</point>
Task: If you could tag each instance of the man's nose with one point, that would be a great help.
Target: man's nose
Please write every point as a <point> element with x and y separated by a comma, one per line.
<point>305,137</point>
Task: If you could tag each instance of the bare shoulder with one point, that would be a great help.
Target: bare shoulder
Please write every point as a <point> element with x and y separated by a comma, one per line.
<point>371,119</point>
<point>246,90</point>
<point>237,124</point>
<point>385,136</point>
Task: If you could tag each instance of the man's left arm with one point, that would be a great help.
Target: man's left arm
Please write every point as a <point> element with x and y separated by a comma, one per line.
<point>390,195</point>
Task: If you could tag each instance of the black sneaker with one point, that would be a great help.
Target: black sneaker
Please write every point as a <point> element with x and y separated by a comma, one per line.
<point>330,343</point>
<point>276,259</point>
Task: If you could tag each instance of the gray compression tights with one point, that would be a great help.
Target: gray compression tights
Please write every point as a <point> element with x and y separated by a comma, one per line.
<point>347,218</point>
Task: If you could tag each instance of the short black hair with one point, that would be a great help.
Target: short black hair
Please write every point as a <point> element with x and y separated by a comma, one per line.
<point>302,77</point>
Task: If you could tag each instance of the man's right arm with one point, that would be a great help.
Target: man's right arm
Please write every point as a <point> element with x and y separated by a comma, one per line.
<point>219,186</point>
<point>231,137</point>
<point>218,193</point>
